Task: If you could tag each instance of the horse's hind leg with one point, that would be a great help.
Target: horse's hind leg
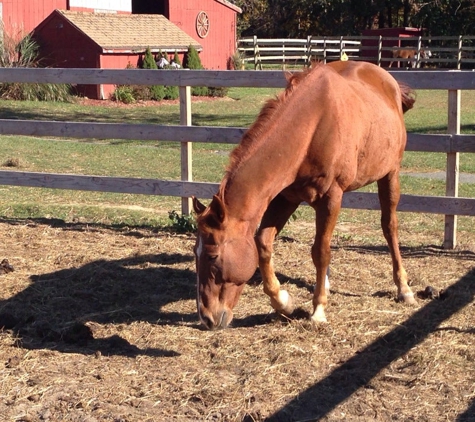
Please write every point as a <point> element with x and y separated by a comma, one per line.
<point>274,219</point>
<point>389,193</point>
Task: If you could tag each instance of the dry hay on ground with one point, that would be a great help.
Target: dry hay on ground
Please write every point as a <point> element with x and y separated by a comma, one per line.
<point>100,325</point>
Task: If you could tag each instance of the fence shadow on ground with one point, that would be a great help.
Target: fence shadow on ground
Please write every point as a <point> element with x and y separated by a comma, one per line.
<point>358,371</point>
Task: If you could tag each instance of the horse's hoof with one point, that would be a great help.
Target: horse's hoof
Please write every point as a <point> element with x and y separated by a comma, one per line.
<point>317,321</point>
<point>407,298</point>
<point>284,303</point>
<point>318,317</point>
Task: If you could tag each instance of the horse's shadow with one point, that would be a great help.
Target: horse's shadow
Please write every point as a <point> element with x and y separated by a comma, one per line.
<point>54,310</point>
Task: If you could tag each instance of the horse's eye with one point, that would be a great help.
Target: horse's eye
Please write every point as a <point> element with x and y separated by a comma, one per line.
<point>212,257</point>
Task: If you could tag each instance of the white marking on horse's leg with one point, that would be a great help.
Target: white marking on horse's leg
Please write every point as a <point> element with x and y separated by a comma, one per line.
<point>283,303</point>
<point>327,283</point>
<point>319,315</point>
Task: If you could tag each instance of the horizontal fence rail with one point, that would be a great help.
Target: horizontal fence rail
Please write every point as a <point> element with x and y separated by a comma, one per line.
<point>450,143</point>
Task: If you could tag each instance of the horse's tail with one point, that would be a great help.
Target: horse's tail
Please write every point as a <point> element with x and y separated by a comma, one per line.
<point>407,97</point>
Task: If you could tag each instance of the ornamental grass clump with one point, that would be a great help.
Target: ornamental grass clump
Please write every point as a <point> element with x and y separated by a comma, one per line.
<point>18,51</point>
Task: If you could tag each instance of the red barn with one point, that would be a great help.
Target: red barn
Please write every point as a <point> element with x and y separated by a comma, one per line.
<point>105,40</point>
<point>212,23</point>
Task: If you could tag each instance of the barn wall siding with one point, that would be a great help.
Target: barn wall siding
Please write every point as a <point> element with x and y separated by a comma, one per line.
<point>219,45</point>
<point>21,16</point>
<point>114,61</point>
<point>78,52</point>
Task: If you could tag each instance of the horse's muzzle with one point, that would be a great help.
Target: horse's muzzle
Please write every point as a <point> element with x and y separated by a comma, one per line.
<point>216,321</point>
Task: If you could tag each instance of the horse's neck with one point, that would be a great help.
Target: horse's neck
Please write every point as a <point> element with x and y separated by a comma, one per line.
<point>274,157</point>
<point>258,180</point>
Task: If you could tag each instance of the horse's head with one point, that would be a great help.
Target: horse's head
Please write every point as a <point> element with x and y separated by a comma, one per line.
<point>226,258</point>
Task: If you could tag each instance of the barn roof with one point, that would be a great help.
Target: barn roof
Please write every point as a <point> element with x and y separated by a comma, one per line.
<point>123,32</point>
<point>230,5</point>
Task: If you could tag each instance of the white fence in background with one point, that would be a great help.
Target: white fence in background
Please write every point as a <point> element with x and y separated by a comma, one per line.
<point>445,52</point>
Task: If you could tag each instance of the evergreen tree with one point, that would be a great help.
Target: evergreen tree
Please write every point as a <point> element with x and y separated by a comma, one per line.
<point>193,61</point>
<point>148,60</point>
<point>176,58</point>
<point>157,92</point>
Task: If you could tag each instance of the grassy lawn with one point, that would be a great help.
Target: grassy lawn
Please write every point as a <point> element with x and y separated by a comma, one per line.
<point>154,159</point>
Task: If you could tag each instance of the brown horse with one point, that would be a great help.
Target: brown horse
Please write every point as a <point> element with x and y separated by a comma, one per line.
<point>409,55</point>
<point>336,128</point>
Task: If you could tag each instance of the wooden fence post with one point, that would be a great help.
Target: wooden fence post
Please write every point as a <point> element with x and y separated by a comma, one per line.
<point>186,147</point>
<point>452,178</point>
<point>325,50</point>
<point>283,54</point>
<point>256,51</point>
<point>380,49</point>
<point>308,60</point>
<point>459,52</point>
<point>418,52</point>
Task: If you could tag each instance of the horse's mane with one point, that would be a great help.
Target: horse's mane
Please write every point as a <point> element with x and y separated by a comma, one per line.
<point>249,142</point>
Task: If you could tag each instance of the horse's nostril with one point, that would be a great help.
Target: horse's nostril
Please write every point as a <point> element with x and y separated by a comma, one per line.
<point>207,322</point>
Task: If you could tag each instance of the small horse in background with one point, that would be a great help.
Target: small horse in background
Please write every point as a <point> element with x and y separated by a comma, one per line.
<point>336,127</point>
<point>410,55</point>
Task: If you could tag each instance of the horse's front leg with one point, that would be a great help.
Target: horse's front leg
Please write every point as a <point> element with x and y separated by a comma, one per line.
<point>277,214</point>
<point>327,210</point>
<point>389,193</point>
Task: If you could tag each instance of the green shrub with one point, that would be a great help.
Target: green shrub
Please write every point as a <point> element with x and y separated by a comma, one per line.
<point>141,92</point>
<point>172,92</point>
<point>157,92</point>
<point>182,223</point>
<point>220,92</point>
<point>124,94</point>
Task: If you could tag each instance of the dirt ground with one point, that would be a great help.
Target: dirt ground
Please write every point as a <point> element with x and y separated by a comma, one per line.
<point>99,324</point>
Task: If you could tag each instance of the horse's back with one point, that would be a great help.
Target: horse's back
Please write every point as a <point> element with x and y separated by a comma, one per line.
<point>360,136</point>
<point>370,80</point>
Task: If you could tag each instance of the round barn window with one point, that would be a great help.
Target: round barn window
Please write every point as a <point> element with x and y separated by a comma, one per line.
<point>202,24</point>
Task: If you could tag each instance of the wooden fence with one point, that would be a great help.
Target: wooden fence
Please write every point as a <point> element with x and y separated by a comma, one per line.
<point>451,143</point>
<point>445,52</point>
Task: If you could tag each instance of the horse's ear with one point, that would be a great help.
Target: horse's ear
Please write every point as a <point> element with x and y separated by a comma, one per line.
<point>198,206</point>
<point>288,75</point>
<point>217,209</point>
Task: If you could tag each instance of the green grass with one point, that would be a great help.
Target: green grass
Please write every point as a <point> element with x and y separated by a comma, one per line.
<point>154,159</point>
<point>430,116</point>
